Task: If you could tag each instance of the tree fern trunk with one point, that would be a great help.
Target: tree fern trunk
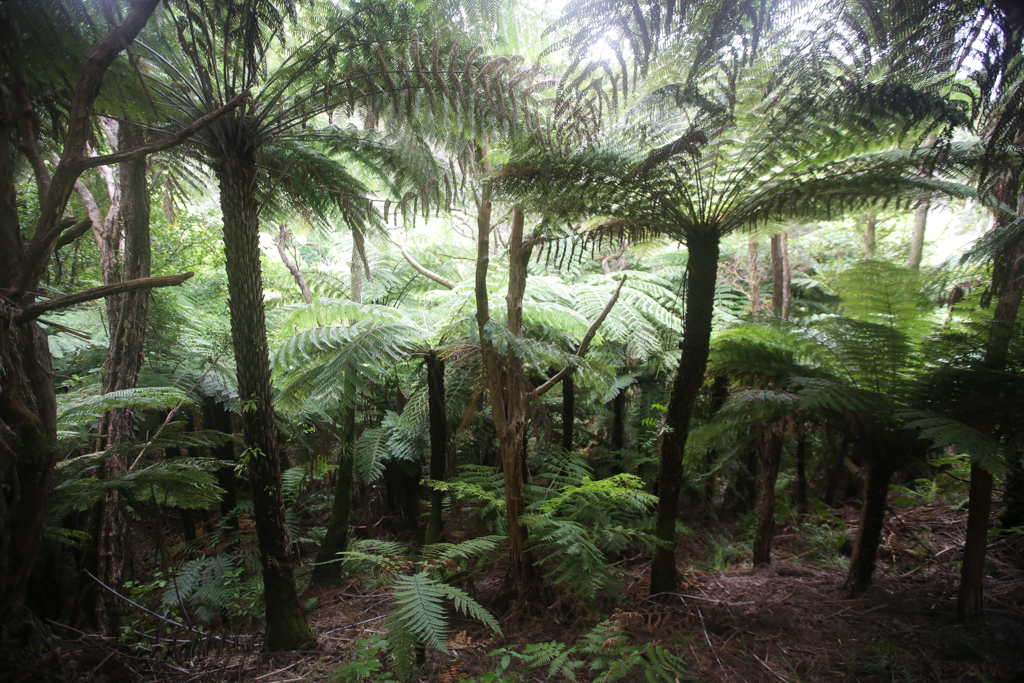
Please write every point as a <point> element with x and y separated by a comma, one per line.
<point>700,297</point>
<point>286,623</point>
<point>769,457</point>
<point>328,569</point>
<point>869,531</point>
<point>801,468</point>
<point>438,442</point>
<point>778,278</point>
<point>972,575</point>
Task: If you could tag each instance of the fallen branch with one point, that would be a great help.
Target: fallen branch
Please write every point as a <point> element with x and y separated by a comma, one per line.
<point>154,614</point>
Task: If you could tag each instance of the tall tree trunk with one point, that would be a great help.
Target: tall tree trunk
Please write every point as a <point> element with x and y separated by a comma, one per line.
<point>869,531</point>
<point>438,442</point>
<point>700,296</point>
<point>787,278</point>
<point>104,555</point>
<point>769,458</point>
<point>286,624</point>
<point>505,384</point>
<point>618,435</point>
<point>327,568</point>
<point>216,416</point>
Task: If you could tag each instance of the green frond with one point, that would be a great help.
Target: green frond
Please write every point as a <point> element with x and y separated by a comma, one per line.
<point>92,408</point>
<point>419,609</point>
<point>372,451</point>
<point>468,606</point>
<point>945,432</point>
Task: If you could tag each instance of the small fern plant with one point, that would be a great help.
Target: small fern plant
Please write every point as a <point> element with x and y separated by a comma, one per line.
<point>419,593</point>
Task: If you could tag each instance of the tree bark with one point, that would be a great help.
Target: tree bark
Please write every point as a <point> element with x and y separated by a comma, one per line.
<point>801,468</point>
<point>438,442</point>
<point>700,297</point>
<point>917,235</point>
<point>769,458</point>
<point>286,624</point>
<point>104,555</point>
<point>869,531</point>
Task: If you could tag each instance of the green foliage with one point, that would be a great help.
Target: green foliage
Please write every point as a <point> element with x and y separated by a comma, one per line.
<point>365,664</point>
<point>604,651</point>
<point>418,617</point>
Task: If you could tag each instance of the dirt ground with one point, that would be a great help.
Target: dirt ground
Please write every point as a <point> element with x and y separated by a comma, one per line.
<point>787,622</point>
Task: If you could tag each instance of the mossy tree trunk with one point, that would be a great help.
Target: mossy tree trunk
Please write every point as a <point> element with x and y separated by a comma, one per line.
<point>236,172</point>
<point>702,269</point>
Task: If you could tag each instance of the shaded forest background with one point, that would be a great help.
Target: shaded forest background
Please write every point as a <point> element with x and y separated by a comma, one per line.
<point>520,341</point>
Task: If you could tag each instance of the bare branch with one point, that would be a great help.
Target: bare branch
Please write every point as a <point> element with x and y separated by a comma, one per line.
<point>33,311</point>
<point>584,345</point>
<point>439,279</point>
<point>73,234</point>
<point>167,142</point>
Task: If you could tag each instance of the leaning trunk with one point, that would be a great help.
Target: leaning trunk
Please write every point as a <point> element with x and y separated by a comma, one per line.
<point>286,623</point>
<point>438,442</point>
<point>700,295</point>
<point>869,532</point>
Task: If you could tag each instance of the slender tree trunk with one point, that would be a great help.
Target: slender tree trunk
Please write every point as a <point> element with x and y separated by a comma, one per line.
<point>700,296</point>
<point>972,573</point>
<point>787,280</point>
<point>286,624</point>
<point>618,435</point>
<point>292,266</point>
<point>327,568</point>
<point>801,468</point>
<point>754,278</point>
<point>568,411</point>
<point>508,394</point>
<point>869,531</point>
<point>105,553</point>
<point>920,219</point>
<point>778,279</point>
<point>769,458</point>
<point>216,416</point>
<point>438,443</point>
<point>917,235</point>
<point>869,235</point>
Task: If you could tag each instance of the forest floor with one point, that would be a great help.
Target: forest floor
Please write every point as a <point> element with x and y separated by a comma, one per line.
<point>788,622</point>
